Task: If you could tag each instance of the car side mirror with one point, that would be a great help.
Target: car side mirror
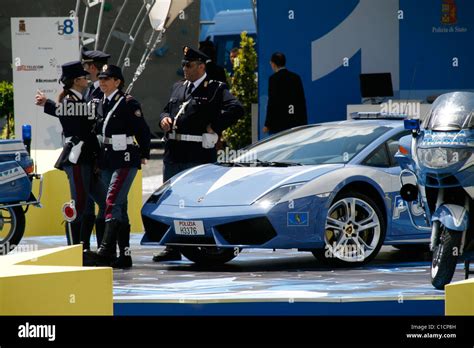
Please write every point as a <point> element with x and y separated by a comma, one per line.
<point>404,145</point>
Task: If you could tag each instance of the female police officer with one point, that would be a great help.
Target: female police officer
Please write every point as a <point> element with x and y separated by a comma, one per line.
<point>121,124</point>
<point>81,146</point>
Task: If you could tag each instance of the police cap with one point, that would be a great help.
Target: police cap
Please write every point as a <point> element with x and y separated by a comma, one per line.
<point>111,71</point>
<point>94,56</point>
<point>72,70</point>
<point>192,55</point>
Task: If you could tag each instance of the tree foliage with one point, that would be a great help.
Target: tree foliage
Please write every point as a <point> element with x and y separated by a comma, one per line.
<point>6,109</point>
<point>244,88</point>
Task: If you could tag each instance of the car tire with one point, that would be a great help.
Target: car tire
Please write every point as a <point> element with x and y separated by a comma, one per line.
<point>210,256</point>
<point>355,230</point>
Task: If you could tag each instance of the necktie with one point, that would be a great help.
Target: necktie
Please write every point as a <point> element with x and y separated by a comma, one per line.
<point>190,90</point>
<point>89,92</point>
<point>106,107</point>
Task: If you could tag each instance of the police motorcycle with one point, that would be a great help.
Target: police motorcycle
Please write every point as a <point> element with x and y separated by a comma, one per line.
<point>16,182</point>
<point>437,163</point>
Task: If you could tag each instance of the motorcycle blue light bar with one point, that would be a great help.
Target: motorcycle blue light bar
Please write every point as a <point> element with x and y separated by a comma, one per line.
<point>412,124</point>
<point>26,131</point>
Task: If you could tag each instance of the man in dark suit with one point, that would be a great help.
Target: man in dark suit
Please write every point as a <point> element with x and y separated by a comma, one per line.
<point>286,101</point>
<point>197,112</point>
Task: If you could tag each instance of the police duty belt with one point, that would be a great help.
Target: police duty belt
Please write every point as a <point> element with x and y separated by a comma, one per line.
<point>207,140</point>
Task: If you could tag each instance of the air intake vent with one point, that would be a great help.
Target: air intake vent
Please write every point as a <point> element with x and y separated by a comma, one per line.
<point>255,231</point>
<point>154,230</point>
<point>447,181</point>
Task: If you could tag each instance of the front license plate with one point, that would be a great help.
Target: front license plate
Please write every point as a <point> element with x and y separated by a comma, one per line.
<point>189,228</point>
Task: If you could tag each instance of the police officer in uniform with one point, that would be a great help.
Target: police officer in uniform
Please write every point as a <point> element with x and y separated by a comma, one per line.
<point>81,146</point>
<point>93,62</point>
<point>125,139</point>
<point>198,110</point>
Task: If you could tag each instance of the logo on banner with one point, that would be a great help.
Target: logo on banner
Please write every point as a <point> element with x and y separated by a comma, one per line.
<point>22,26</point>
<point>29,68</point>
<point>449,15</point>
<point>46,80</point>
<point>67,28</point>
<point>449,18</point>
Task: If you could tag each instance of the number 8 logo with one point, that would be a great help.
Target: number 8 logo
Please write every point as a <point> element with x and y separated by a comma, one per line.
<point>68,26</point>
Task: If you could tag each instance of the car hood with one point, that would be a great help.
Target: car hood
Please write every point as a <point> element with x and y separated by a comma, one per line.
<point>216,185</point>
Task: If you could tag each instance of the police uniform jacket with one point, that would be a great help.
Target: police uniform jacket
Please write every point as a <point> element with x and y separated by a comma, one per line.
<point>79,126</point>
<point>95,94</point>
<point>212,104</point>
<point>127,118</point>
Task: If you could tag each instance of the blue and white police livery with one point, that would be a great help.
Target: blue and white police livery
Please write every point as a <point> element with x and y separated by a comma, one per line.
<point>332,189</point>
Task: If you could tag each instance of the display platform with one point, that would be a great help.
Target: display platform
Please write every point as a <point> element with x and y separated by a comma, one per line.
<point>263,282</point>
<point>52,281</point>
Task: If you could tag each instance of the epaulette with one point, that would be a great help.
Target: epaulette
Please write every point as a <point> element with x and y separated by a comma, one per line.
<point>215,81</point>
<point>71,97</point>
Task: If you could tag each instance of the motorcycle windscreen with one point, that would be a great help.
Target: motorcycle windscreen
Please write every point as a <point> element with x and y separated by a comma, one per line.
<point>451,112</point>
<point>15,186</point>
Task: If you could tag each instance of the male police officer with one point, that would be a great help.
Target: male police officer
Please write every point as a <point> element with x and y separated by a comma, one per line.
<point>198,111</point>
<point>93,62</point>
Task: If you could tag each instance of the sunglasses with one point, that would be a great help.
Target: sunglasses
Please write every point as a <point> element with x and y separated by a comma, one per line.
<point>189,64</point>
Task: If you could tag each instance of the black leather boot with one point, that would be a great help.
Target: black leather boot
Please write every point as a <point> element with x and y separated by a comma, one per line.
<point>125,258</point>
<point>86,231</point>
<point>73,232</point>
<point>99,231</point>
<point>169,254</point>
<point>107,252</point>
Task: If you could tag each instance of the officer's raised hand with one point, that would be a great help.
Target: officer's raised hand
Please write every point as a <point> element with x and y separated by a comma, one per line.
<point>40,98</point>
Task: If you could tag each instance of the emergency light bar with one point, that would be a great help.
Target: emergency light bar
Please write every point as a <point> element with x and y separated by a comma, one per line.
<point>378,116</point>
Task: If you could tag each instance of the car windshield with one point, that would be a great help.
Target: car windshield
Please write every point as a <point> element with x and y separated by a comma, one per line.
<point>321,144</point>
<point>452,112</point>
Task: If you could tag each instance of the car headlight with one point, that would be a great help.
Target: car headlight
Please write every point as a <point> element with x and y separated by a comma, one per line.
<point>440,157</point>
<point>155,197</point>
<point>272,197</point>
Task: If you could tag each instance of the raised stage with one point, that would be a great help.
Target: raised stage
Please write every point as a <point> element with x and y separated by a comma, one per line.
<point>263,282</point>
